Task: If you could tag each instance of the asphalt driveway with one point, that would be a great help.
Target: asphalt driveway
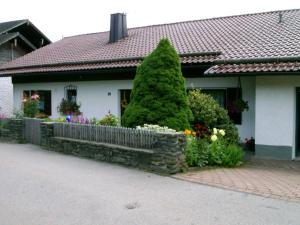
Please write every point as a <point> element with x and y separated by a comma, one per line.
<point>40,187</point>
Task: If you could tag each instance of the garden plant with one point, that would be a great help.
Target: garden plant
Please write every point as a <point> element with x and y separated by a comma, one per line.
<point>31,106</point>
<point>68,107</point>
<point>215,140</point>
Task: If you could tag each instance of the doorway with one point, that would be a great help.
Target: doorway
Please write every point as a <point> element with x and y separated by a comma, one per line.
<point>124,99</point>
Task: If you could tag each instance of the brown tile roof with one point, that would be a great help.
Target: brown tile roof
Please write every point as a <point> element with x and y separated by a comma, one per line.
<point>254,68</point>
<point>249,36</point>
<point>106,64</point>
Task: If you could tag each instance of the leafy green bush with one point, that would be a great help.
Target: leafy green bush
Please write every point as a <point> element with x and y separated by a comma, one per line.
<point>109,120</point>
<point>207,110</point>
<point>197,152</point>
<point>213,151</point>
<point>31,108</point>
<point>233,156</point>
<point>3,123</point>
<point>158,95</point>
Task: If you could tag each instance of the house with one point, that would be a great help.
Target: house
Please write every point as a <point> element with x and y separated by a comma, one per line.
<point>255,57</point>
<point>17,38</point>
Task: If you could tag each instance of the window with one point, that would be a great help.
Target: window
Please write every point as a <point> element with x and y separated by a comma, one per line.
<point>44,101</point>
<point>71,93</point>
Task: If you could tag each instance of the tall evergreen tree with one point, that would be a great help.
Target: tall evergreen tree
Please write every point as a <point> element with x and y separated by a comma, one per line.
<point>158,95</point>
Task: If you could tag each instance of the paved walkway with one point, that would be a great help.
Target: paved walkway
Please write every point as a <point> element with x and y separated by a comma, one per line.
<point>39,187</point>
<point>268,178</point>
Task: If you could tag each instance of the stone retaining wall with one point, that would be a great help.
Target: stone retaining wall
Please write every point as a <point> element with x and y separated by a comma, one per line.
<point>166,158</point>
<point>13,131</point>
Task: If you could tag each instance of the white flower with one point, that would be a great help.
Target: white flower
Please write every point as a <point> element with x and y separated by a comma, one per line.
<point>222,132</point>
<point>156,128</point>
<point>215,131</point>
<point>213,138</point>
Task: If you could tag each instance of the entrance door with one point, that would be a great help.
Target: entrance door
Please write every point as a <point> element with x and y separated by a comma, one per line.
<point>298,121</point>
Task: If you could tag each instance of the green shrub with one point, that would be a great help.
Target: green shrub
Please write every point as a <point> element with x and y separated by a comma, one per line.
<point>31,108</point>
<point>158,95</point>
<point>233,156</point>
<point>4,123</point>
<point>109,120</point>
<point>215,151</point>
<point>209,112</point>
<point>197,152</point>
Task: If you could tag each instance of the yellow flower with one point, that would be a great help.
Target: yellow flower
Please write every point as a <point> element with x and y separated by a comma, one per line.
<point>213,138</point>
<point>194,133</point>
<point>222,132</point>
<point>215,131</point>
<point>187,132</point>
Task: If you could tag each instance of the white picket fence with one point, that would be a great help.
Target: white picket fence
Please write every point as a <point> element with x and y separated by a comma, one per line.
<point>106,134</point>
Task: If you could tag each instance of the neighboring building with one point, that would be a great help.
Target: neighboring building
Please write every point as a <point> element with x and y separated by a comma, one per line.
<point>257,55</point>
<point>17,38</point>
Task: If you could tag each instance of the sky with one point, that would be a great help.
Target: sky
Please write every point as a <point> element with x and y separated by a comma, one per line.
<point>62,18</point>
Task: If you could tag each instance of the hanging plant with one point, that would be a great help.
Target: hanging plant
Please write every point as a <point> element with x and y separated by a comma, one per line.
<point>240,105</point>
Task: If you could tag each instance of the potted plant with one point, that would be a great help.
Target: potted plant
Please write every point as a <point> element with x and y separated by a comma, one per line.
<point>238,106</point>
<point>250,144</point>
<point>67,107</point>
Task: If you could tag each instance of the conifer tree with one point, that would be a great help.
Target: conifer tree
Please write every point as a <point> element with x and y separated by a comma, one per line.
<point>159,95</point>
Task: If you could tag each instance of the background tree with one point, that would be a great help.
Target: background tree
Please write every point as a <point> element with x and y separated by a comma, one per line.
<point>158,95</point>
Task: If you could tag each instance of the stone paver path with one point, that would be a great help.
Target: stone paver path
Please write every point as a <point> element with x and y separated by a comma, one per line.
<point>268,178</point>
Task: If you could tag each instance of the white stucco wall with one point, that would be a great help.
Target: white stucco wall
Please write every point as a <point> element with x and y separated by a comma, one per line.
<point>276,110</point>
<point>6,96</point>
<point>95,101</point>
<point>93,95</point>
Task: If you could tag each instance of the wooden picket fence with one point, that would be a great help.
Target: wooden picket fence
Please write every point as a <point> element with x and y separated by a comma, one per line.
<point>33,130</point>
<point>130,137</point>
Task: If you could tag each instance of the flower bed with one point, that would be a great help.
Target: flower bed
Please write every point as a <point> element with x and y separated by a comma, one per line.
<point>212,150</point>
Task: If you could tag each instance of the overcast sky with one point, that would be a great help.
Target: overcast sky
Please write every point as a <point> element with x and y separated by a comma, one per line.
<point>58,18</point>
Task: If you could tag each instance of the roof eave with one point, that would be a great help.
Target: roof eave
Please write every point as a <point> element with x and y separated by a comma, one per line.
<point>254,74</point>
<point>17,25</point>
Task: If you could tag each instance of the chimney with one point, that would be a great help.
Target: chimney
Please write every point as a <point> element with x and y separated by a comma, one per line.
<point>118,27</point>
<point>280,18</point>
